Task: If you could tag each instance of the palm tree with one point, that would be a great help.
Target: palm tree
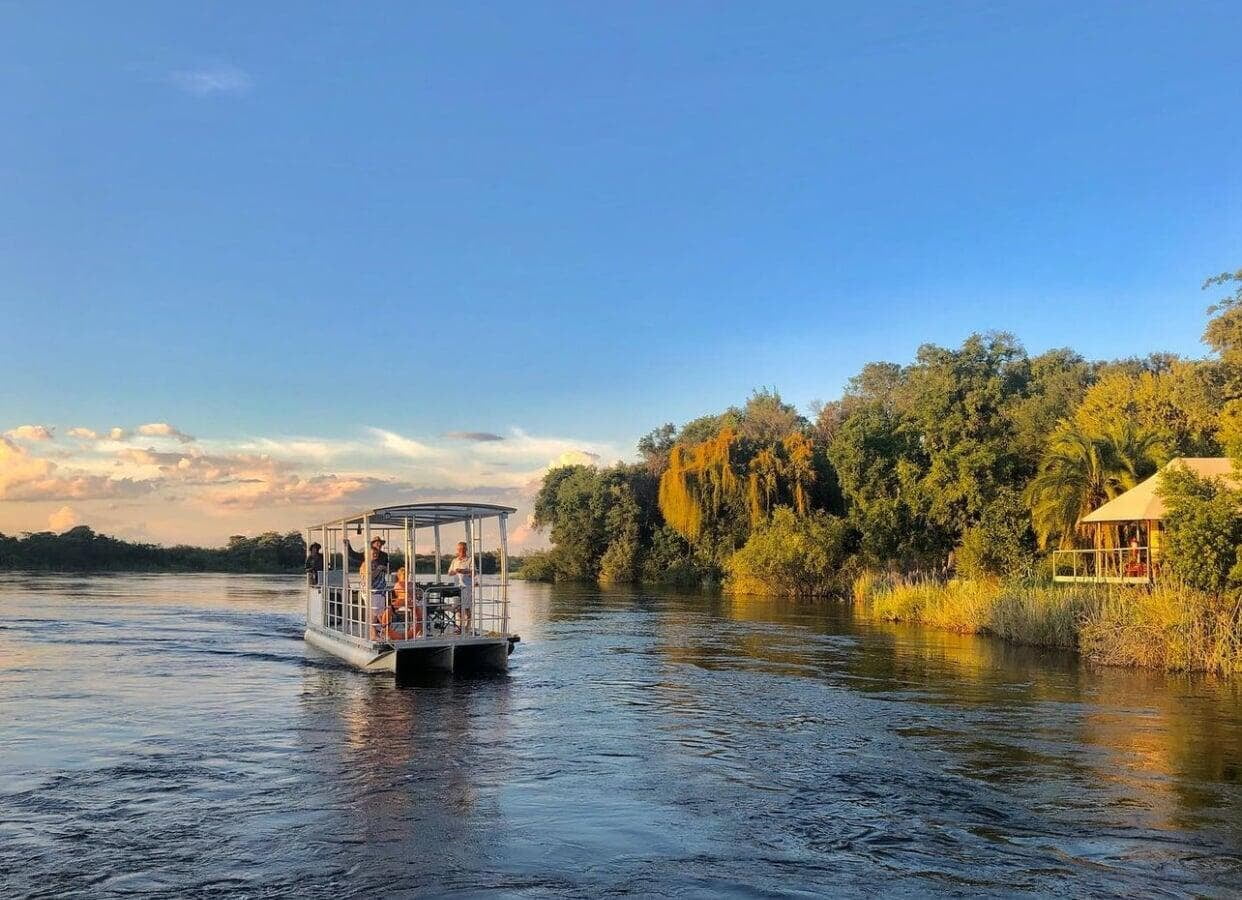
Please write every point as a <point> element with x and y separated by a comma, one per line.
<point>1081,470</point>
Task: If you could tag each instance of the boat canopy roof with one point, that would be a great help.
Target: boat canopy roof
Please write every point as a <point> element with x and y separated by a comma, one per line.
<point>420,515</point>
<point>1144,503</point>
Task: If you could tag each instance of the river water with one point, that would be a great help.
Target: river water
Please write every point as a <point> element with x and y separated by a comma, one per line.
<point>173,735</point>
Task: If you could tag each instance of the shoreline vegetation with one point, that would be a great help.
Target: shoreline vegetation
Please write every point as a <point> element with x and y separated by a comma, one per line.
<point>936,491</point>
<point>1170,627</point>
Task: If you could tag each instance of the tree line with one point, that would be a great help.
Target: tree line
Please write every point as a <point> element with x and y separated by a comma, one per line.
<point>81,549</point>
<point>977,459</point>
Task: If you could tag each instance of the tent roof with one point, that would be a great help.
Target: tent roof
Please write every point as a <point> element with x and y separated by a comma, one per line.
<point>1143,501</point>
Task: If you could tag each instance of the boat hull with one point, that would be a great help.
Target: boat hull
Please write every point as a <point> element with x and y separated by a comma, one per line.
<point>455,654</point>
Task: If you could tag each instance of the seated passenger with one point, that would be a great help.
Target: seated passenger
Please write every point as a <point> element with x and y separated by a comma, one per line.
<point>463,569</point>
<point>403,600</point>
<point>314,564</point>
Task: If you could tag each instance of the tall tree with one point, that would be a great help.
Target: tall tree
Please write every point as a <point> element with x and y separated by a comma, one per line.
<point>1224,335</point>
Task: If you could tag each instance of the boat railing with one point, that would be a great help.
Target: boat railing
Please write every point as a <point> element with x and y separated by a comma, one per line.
<point>367,615</point>
<point>344,609</point>
<point>491,610</point>
<point>1113,565</point>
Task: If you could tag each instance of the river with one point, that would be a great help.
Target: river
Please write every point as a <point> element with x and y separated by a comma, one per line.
<point>166,734</point>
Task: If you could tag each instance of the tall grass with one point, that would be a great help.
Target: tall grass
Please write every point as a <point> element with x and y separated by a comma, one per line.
<point>1169,627</point>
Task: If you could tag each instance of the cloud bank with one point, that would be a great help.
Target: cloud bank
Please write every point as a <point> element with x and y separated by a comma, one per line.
<point>185,488</point>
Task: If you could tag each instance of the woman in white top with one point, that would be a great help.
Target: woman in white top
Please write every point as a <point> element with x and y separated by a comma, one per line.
<point>464,571</point>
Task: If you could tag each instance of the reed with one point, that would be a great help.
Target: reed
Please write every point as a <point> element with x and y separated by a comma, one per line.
<point>1170,627</point>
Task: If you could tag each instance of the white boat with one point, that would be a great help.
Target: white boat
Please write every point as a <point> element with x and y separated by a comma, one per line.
<point>365,612</point>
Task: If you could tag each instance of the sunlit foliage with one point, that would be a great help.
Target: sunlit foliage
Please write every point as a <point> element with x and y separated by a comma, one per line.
<point>1180,406</point>
<point>793,555</point>
<point>699,484</point>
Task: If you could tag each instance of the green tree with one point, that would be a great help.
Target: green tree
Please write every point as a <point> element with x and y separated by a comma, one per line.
<point>1180,405</point>
<point>655,445</point>
<point>1202,530</point>
<point>1057,381</point>
<point>572,506</point>
<point>1224,335</point>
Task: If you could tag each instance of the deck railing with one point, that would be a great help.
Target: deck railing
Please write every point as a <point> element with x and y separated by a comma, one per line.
<point>365,615</point>
<point>1117,565</point>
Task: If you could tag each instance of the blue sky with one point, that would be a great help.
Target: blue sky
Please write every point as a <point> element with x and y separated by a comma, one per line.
<point>566,223</point>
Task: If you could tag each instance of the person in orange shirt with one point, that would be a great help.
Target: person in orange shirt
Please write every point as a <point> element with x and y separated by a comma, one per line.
<point>404,599</point>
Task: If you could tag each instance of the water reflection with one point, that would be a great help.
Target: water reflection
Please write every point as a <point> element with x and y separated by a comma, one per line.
<point>651,742</point>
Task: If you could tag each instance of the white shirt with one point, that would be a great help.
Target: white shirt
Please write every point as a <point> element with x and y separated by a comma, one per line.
<point>461,568</point>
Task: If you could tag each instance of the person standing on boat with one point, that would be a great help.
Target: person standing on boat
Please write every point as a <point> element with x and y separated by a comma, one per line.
<point>314,563</point>
<point>463,568</point>
<point>373,572</point>
<point>378,561</point>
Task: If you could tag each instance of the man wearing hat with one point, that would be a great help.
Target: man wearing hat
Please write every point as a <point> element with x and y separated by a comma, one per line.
<point>356,558</point>
<point>378,563</point>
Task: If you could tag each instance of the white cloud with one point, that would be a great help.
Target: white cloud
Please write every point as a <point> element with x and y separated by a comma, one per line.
<point>575,458</point>
<point>85,434</point>
<point>285,490</point>
<point>63,519</point>
<point>116,433</point>
<point>321,450</point>
<point>403,446</point>
<point>27,477</point>
<point>210,81</point>
<point>31,432</point>
<point>520,535</point>
<point>163,429</point>
<point>546,450</point>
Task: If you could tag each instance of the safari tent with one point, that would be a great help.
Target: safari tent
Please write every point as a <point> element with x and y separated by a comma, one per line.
<point>1126,530</point>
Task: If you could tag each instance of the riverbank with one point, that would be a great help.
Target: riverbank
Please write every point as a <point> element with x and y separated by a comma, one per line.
<point>1169,627</point>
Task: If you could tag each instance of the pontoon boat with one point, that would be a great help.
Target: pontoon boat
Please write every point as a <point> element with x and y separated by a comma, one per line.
<point>370,608</point>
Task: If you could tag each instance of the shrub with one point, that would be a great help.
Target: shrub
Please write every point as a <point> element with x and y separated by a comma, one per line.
<point>1001,543</point>
<point>792,555</point>
<point>1171,627</point>
<point>671,560</point>
<point>1044,615</point>
<point>538,565</point>
<point>1203,531</point>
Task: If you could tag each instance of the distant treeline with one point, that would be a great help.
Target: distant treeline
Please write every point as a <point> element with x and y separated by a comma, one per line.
<point>81,549</point>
